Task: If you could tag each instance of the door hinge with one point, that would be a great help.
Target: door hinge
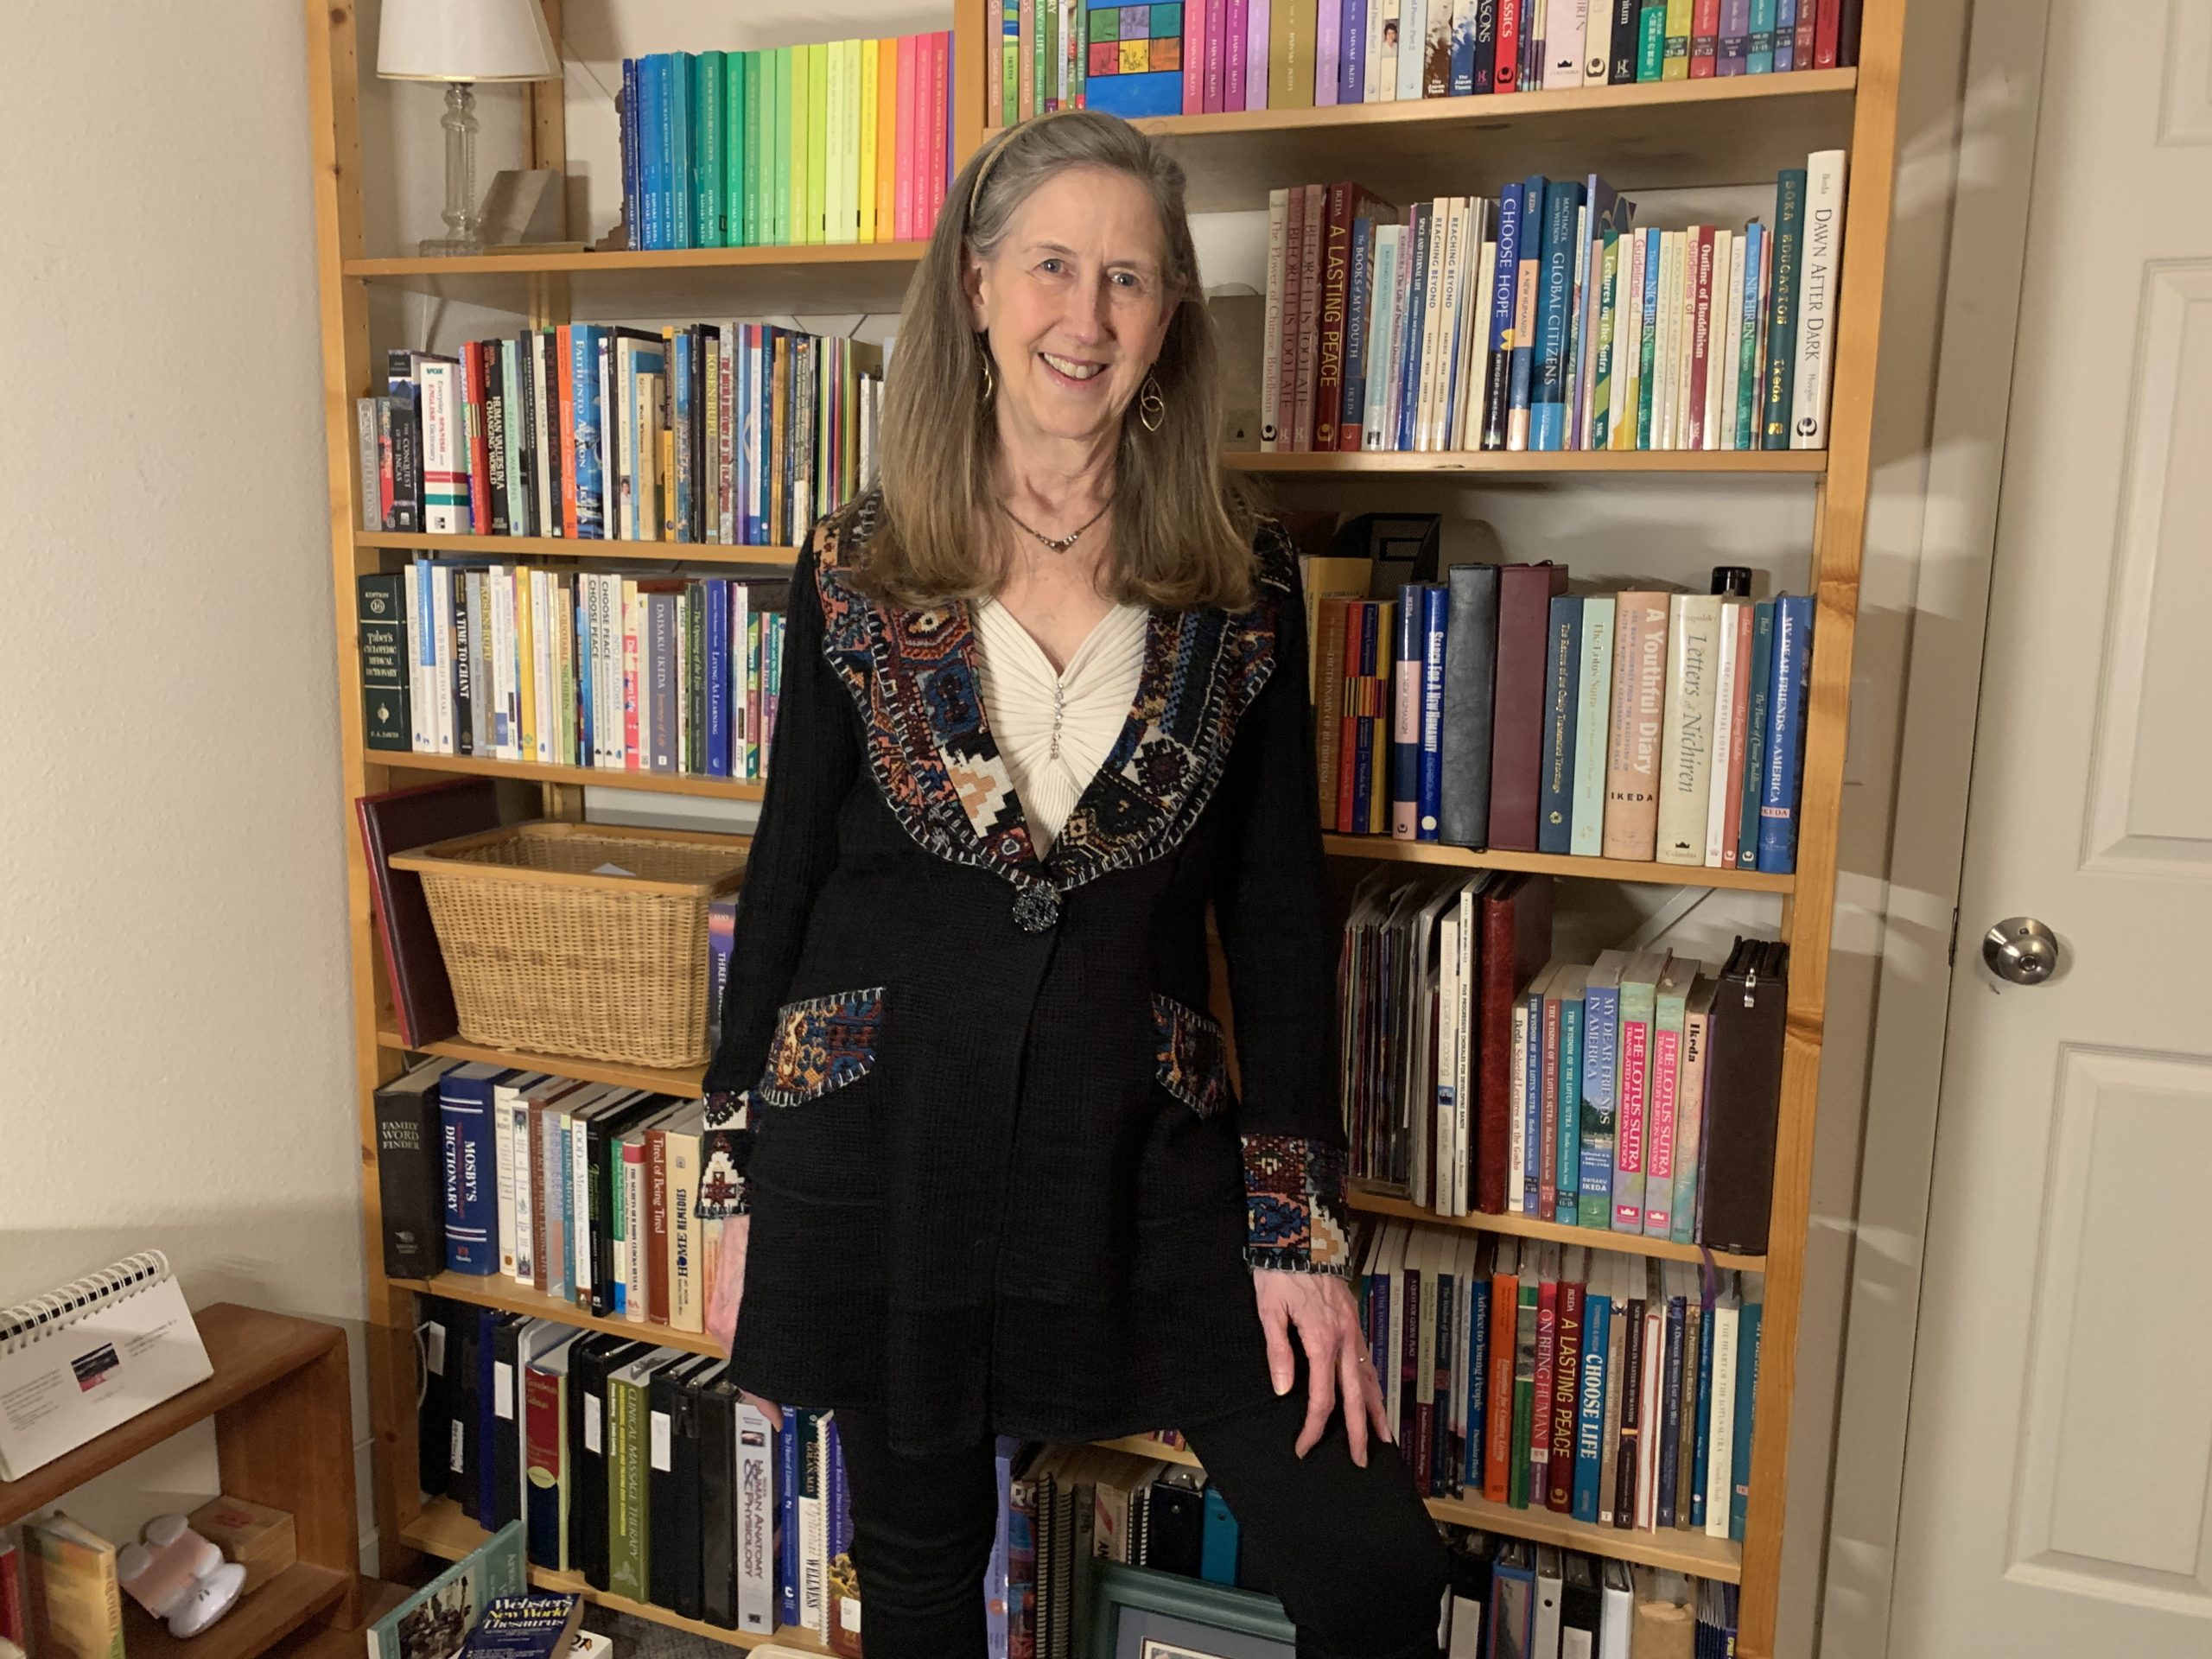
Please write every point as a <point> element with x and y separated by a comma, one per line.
<point>1951,960</point>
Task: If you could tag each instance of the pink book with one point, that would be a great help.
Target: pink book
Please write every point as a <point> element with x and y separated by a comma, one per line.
<point>903,200</point>
<point>631,758</point>
<point>1257,19</point>
<point>1628,1147</point>
<point>1194,56</point>
<point>1216,22</point>
<point>934,146</point>
<point>1659,1143</point>
<point>1328,43</point>
<point>1234,25</point>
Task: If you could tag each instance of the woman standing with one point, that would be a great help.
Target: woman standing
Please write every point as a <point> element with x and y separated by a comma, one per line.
<point>1044,701</point>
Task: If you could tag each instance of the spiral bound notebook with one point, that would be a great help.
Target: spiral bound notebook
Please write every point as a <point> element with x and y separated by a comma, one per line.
<point>77,1361</point>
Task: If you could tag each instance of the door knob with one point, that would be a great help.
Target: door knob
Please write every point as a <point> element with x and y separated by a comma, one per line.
<point>2021,949</point>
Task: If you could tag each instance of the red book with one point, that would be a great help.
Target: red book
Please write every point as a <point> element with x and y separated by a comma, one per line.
<point>421,995</point>
<point>1809,36</point>
<point>1540,1426</point>
<point>1825,27</point>
<point>544,1435</point>
<point>1565,1402</point>
<point>1700,250</point>
<point>940,129</point>
<point>473,423</point>
<point>1336,285</point>
<point>1356,634</point>
<point>1497,1419</point>
<point>1517,939</point>
<point>1705,39</point>
<point>1285,343</point>
<point>656,1226</point>
<point>1193,59</point>
<point>1216,21</point>
<point>1738,713</point>
<point>902,208</point>
<point>564,435</point>
<point>1507,76</point>
<point>1525,593</point>
<point>1234,26</point>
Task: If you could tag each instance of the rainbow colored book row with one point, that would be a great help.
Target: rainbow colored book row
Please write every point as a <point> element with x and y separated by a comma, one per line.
<point>824,141</point>
<point>1209,56</point>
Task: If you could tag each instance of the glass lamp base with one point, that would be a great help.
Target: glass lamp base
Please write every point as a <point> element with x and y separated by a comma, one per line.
<point>434,247</point>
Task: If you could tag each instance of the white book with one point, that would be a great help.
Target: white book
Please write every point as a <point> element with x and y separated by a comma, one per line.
<point>1686,731</point>
<point>1662,324</point>
<point>1446,1098</point>
<point>1475,370</point>
<point>1371,81</point>
<point>1270,358</point>
<point>1385,56</point>
<point>1732,350</point>
<point>813,1566</point>
<point>1676,340</point>
<point>740,611</point>
<point>1717,335</point>
<point>1576,357</point>
<point>421,737</point>
<point>1592,726</point>
<point>1516,1166</point>
<point>1379,336</point>
<point>1566,34</point>
<point>1648,1438</point>
<point>686,1308</point>
<point>1721,1439</point>
<point>1616,1617</point>
<point>1413,38</point>
<point>445,471</point>
<point>1725,739</point>
<point>526,1210</point>
<point>1436,316</point>
<point>368,463</point>
<point>755,1540</point>
<point>501,664</point>
<point>1549,1580</point>
<point>1598,44</point>
<point>1464,1129</point>
<point>1385,379</point>
<point>1819,273</point>
<point>442,656</point>
<point>1390,1264</point>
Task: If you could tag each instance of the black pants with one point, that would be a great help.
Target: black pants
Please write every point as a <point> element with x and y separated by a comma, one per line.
<point>1359,1563</point>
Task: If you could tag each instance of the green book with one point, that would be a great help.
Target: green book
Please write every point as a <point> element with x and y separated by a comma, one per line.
<point>495,1567</point>
<point>1010,60</point>
<point>1748,425</point>
<point>1651,41</point>
<point>818,142</point>
<point>1039,65</point>
<point>1632,1122</point>
<point>755,99</point>
<point>1781,371</point>
<point>707,151</point>
<point>1601,389</point>
<point>629,1450</point>
<point>1524,1378</point>
<point>791,117</point>
<point>734,149</point>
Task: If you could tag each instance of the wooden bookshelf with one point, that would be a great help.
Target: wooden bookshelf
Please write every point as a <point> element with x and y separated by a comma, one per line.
<point>1374,1201</point>
<point>662,1080</point>
<point>512,548</point>
<point>1683,135</point>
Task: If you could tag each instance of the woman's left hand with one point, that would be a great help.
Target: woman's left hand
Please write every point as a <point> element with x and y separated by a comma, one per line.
<point>1321,1306</point>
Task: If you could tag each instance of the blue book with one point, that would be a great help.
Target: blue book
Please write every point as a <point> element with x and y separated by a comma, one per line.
<point>1755,713</point>
<point>585,731</point>
<point>1589,1412</point>
<point>1785,36</point>
<point>1406,677</point>
<point>545,1506</point>
<point>1499,359</point>
<point>708,107</point>
<point>1435,610</point>
<point>1778,386</point>
<point>717,667</point>
<point>1572,988</point>
<point>1532,1099</point>
<point>645,146</point>
<point>471,1193</point>
<point>1472,1470</point>
<point>1424,223</point>
<point>1217,1540</point>
<point>676,129</point>
<point>1759,59</point>
<point>1747,1392</point>
<point>1525,307</point>
<point>1352,68</point>
<point>560,1268</point>
<point>633,174</point>
<point>1601,1033</point>
<point>1461,83</point>
<point>1555,316</point>
<point>1782,771</point>
<point>787,1487</point>
<point>1356,323</point>
<point>678,513</point>
<point>488,1321</point>
<point>1670,1410</point>
<point>1562,696</point>
<point>1703,1441</point>
<point>583,365</point>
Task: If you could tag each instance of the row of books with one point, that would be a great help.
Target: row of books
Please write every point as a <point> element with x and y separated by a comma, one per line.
<point>823,142</point>
<point>1512,1599</point>
<point>1547,320</point>
<point>1611,1389</point>
<point>674,674</point>
<point>1207,56</point>
<point>1495,709</point>
<point>730,434</point>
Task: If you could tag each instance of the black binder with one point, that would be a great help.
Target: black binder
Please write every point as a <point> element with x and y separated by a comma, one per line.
<point>715,1405</point>
<point>1470,698</point>
<point>672,1484</point>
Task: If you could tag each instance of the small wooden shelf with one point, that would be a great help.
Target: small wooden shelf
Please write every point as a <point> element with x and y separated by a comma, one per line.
<point>529,771</point>
<point>443,1530</point>
<point>1591,870</point>
<point>1679,134</point>
<point>1374,1201</point>
<point>561,547</point>
<point>498,1290</point>
<point>1527,463</point>
<point>1139,1446</point>
<point>679,282</point>
<point>663,1080</point>
<point>258,1623</point>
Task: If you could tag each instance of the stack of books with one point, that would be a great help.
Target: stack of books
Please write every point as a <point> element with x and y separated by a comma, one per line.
<point>1547,320</point>
<point>730,434</point>
<point>1614,1390</point>
<point>824,141</point>
<point>1207,56</point>
<point>1546,1603</point>
<point>1497,709</point>
<point>679,674</point>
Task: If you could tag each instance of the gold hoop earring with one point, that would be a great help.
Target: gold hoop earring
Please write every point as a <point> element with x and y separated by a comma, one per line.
<point>990,382</point>
<point>1152,403</point>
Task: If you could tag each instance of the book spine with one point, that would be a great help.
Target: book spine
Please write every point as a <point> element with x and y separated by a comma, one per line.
<point>1555,309</point>
<point>1634,1080</point>
<point>1668,1420</point>
<point>1563,1406</point>
<point>1497,1414</point>
<point>1593,701</point>
<point>1303,383</point>
<point>1563,702</point>
<point>1631,822</point>
<point>1336,287</point>
<point>1601,1073</point>
<point>1701,1401</point>
<point>1573,1010</point>
<point>410,1181</point>
<point>1666,1041</point>
<point>1820,266</point>
<point>1627,1440</point>
<point>1793,647</point>
<point>1435,606</point>
<point>1747,1382</point>
<point>1503,301</point>
<point>380,611</point>
<point>1405,716</point>
<point>1359,334</point>
<point>1758,56</point>
<point>1590,1409</point>
<point>1705,39</point>
<point>1778,394</point>
<point>1511,14</point>
<point>472,1216</point>
<point>1686,765</point>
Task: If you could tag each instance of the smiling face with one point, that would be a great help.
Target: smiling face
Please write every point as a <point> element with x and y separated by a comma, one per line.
<point>1075,301</point>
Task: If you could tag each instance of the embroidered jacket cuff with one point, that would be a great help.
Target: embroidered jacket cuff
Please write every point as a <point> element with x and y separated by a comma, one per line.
<point>726,1149</point>
<point>1293,1198</point>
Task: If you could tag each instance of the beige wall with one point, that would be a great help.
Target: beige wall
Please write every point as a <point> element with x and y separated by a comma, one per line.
<point>173,1066</point>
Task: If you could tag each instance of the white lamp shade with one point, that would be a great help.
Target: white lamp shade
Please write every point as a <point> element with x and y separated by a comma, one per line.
<point>465,40</point>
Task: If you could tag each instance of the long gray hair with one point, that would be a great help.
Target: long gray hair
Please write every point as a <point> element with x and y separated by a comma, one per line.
<point>1182,527</point>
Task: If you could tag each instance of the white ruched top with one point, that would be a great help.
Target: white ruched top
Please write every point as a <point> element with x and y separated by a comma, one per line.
<point>1055,728</point>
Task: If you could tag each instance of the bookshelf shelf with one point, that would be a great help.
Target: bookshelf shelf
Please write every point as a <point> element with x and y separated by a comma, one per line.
<point>529,771</point>
<point>500,1292</point>
<point>558,547</point>
<point>1374,1201</point>
<point>1674,1550</point>
<point>1589,869</point>
<point>680,282</point>
<point>1508,463</point>
<point>674,1080</point>
<point>1678,134</point>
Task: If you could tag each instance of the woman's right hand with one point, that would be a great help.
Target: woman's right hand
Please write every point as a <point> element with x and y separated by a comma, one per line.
<point>729,1295</point>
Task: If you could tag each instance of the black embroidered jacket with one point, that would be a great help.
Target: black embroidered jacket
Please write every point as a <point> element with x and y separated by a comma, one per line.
<point>998,1175</point>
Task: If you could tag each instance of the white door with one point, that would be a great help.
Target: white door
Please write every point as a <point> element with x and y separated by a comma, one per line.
<point>2058,1469</point>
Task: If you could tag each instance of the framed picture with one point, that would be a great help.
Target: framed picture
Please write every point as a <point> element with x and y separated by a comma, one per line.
<point>1138,1612</point>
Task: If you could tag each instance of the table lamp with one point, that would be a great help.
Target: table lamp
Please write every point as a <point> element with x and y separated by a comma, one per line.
<point>460,43</point>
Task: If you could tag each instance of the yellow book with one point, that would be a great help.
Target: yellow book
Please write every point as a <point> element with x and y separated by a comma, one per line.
<point>525,740</point>
<point>76,1601</point>
<point>848,169</point>
<point>776,158</point>
<point>870,93</point>
<point>886,141</point>
<point>835,116</point>
<point>818,142</point>
<point>1675,66</point>
<point>801,229</point>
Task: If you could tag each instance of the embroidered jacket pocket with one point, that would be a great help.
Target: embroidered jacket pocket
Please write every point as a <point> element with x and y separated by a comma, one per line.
<point>822,1045</point>
<point>1193,1057</point>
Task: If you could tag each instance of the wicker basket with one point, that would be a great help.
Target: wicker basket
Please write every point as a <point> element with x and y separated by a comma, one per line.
<point>580,939</point>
